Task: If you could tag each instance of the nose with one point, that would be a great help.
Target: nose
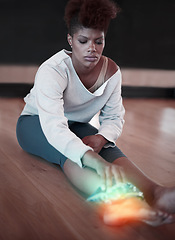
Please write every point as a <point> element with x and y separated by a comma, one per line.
<point>91,48</point>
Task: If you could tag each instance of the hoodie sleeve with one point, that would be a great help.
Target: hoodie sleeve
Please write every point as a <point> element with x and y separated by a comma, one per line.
<point>111,116</point>
<point>50,86</point>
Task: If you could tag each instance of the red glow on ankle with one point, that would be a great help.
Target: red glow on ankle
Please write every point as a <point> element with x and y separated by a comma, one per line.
<point>124,210</point>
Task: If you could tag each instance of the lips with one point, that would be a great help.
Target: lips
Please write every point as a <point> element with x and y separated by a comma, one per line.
<point>91,58</point>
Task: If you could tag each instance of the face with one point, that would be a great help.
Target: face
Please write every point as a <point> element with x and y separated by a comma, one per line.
<point>87,47</point>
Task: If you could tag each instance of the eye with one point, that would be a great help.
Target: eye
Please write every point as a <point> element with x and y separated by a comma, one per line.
<point>99,42</point>
<point>82,41</point>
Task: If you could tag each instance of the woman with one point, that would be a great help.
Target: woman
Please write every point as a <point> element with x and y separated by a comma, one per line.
<point>70,88</point>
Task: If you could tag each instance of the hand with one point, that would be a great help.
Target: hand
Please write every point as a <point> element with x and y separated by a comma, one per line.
<point>109,173</point>
<point>96,142</point>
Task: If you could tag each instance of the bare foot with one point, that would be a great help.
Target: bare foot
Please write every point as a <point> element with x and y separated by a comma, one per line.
<point>160,219</point>
<point>129,210</point>
<point>133,210</point>
<point>165,199</point>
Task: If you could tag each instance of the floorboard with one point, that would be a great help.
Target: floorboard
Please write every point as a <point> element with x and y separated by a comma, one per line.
<point>130,76</point>
<point>36,200</point>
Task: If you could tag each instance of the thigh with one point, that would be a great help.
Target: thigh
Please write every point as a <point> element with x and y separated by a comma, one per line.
<point>110,154</point>
<point>82,130</point>
<point>32,139</point>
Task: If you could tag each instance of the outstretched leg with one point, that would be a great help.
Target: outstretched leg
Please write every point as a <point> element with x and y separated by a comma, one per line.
<point>137,177</point>
<point>32,140</point>
<point>155,194</point>
<point>87,181</point>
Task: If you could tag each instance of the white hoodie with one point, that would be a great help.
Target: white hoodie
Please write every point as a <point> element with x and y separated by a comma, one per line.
<point>58,95</point>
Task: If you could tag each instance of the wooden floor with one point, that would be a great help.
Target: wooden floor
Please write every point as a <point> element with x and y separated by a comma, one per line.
<point>37,202</point>
<point>130,77</point>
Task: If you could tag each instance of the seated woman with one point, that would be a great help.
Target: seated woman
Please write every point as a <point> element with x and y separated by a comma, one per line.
<point>70,88</point>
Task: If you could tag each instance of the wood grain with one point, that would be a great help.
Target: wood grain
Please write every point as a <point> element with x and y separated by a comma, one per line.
<point>37,201</point>
<point>131,76</point>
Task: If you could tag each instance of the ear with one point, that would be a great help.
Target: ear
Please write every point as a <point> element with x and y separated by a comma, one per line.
<point>69,39</point>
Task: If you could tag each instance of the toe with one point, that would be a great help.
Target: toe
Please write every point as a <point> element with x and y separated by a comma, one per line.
<point>161,218</point>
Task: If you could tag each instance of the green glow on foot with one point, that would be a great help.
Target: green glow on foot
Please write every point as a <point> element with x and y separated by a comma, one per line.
<point>118,191</point>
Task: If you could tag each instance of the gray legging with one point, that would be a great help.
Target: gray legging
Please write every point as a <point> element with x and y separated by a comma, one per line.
<point>32,139</point>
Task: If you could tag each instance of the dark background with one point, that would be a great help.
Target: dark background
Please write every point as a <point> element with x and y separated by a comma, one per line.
<point>142,36</point>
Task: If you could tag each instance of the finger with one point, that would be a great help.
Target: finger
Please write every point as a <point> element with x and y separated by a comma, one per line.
<point>103,182</point>
<point>116,174</point>
<point>102,174</point>
<point>108,177</point>
<point>122,173</point>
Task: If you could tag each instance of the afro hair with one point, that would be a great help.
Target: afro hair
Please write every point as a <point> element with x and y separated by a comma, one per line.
<point>94,14</point>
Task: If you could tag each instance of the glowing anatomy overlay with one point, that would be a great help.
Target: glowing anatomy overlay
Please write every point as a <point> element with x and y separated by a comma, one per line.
<point>121,203</point>
<point>118,191</point>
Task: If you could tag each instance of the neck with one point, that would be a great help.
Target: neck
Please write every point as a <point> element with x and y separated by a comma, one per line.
<point>82,70</point>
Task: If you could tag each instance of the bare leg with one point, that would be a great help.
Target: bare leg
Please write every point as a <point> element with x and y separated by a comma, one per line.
<point>156,195</point>
<point>85,179</point>
<point>138,178</point>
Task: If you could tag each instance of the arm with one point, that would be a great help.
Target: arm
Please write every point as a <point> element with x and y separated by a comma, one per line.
<point>111,120</point>
<point>50,85</point>
<point>111,115</point>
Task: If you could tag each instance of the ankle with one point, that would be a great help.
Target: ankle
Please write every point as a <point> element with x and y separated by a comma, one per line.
<point>152,194</point>
<point>157,193</point>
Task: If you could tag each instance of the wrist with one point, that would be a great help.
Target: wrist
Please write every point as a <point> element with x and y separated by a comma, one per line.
<point>91,159</point>
<point>87,157</point>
